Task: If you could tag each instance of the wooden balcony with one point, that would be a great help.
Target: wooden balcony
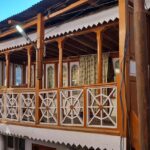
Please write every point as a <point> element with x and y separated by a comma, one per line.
<point>83,108</point>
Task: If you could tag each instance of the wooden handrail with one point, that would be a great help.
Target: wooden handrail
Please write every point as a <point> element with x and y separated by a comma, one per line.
<point>20,88</point>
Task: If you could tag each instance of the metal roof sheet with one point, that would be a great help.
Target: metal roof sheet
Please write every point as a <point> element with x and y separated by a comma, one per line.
<point>83,139</point>
<point>107,15</point>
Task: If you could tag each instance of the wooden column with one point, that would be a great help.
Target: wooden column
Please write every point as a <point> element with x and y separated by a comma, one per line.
<point>39,63</point>
<point>99,55</point>
<point>7,69</point>
<point>29,67</point>
<point>123,25</point>
<point>141,56</point>
<point>60,47</point>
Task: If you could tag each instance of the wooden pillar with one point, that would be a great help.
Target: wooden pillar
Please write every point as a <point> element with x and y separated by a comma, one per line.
<point>60,47</point>
<point>99,55</point>
<point>7,69</point>
<point>29,67</point>
<point>141,56</point>
<point>122,107</point>
<point>39,62</point>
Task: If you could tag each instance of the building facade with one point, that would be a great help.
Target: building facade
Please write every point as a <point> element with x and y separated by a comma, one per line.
<point>68,91</point>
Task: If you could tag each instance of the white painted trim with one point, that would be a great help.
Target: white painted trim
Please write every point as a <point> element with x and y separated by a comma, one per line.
<point>94,140</point>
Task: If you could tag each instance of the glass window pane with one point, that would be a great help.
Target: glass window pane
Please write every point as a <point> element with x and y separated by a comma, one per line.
<point>65,74</point>
<point>74,72</point>
<point>18,75</point>
<point>50,71</point>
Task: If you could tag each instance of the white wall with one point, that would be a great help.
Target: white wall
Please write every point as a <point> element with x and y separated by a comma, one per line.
<point>1,142</point>
<point>28,145</point>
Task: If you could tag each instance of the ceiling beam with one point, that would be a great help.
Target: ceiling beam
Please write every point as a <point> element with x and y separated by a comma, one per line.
<point>87,44</point>
<point>77,46</point>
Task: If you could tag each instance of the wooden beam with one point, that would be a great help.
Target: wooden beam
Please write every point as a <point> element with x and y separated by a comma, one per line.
<point>93,3</point>
<point>39,62</point>
<point>110,38</point>
<point>78,45</point>
<point>25,26</point>
<point>68,8</point>
<point>99,55</point>
<point>29,67</point>
<point>60,46</point>
<point>7,57</point>
<point>81,41</point>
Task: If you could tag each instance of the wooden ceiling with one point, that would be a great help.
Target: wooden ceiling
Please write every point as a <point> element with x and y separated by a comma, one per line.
<point>74,46</point>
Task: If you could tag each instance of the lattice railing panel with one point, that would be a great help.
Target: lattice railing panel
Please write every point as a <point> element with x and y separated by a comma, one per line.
<point>48,107</point>
<point>28,106</point>
<point>102,107</point>
<point>12,106</point>
<point>1,106</point>
<point>71,107</point>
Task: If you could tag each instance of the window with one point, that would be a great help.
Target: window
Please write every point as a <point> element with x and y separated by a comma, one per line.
<point>74,73</point>
<point>10,142</point>
<point>18,73</point>
<point>21,144</point>
<point>65,74</point>
<point>50,72</point>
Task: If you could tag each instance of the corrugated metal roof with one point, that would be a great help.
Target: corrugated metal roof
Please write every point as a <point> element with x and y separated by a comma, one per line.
<point>31,12</point>
<point>91,20</point>
<point>45,7</point>
<point>83,139</point>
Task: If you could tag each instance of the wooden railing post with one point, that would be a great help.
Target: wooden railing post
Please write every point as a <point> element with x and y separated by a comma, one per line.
<point>60,84</point>
<point>60,47</point>
<point>99,55</point>
<point>7,69</point>
<point>29,67</point>
<point>39,65</point>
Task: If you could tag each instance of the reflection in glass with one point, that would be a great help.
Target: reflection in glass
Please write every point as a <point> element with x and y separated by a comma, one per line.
<point>65,76</point>
<point>74,75</point>
<point>18,75</point>
<point>50,77</point>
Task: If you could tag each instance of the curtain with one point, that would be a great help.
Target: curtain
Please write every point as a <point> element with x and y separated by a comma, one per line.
<point>105,67</point>
<point>88,69</point>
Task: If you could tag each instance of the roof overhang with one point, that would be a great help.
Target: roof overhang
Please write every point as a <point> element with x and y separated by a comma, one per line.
<point>104,16</point>
<point>82,139</point>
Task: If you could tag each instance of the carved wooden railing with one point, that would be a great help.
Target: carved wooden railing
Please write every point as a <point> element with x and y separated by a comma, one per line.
<point>92,106</point>
<point>18,105</point>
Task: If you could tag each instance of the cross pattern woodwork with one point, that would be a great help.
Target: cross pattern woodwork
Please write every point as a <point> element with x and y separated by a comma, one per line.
<point>28,107</point>
<point>71,106</point>
<point>12,111</point>
<point>48,107</point>
<point>102,107</point>
<point>1,106</point>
